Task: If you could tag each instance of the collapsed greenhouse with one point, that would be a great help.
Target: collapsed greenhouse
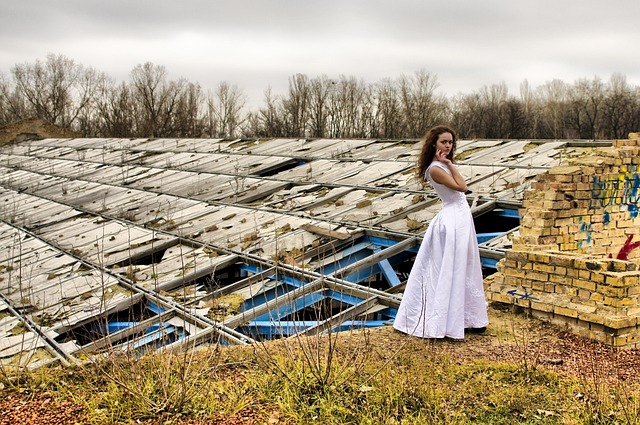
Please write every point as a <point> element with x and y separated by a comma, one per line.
<point>133,244</point>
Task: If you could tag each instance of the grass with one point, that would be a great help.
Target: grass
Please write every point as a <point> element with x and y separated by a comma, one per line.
<point>376,376</point>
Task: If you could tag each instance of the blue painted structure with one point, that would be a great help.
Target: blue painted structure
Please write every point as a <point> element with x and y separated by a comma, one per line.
<point>311,309</point>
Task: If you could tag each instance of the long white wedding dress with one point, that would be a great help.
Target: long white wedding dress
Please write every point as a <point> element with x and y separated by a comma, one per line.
<point>445,292</point>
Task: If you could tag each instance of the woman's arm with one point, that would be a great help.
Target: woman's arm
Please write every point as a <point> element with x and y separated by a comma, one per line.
<point>455,181</point>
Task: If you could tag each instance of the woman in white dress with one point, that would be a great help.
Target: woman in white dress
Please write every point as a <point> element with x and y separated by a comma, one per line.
<point>444,295</point>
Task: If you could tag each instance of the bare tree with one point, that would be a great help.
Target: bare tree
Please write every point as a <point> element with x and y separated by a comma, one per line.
<point>271,117</point>
<point>554,99</point>
<point>343,107</point>
<point>585,100</point>
<point>531,110</point>
<point>225,107</point>
<point>319,90</point>
<point>468,115</point>
<point>57,90</point>
<point>388,118</point>
<point>514,120</point>
<point>493,99</point>
<point>67,94</point>
<point>155,99</point>
<point>189,119</point>
<point>367,113</point>
<point>619,108</point>
<point>421,107</point>
<point>12,105</point>
<point>296,105</point>
<point>115,110</point>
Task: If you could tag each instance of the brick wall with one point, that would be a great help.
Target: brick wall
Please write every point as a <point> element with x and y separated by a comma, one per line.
<point>575,261</point>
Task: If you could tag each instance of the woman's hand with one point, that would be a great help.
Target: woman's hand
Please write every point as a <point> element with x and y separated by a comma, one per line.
<point>442,157</point>
<point>453,181</point>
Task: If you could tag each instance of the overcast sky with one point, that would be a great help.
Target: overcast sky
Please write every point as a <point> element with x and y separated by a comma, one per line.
<point>254,44</point>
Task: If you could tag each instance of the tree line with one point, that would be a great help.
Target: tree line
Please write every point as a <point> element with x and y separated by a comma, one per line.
<point>76,97</point>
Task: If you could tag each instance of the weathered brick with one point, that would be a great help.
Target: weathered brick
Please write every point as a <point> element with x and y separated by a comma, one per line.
<point>514,272</point>
<point>619,266</point>
<point>501,298</point>
<point>512,264</point>
<point>522,302</point>
<point>519,256</point>
<point>538,286</point>
<point>584,294</point>
<point>545,268</point>
<point>614,279</point>
<point>619,341</point>
<point>572,273</point>
<point>564,311</point>
<point>620,322</point>
<point>540,306</point>
<point>583,284</point>
<point>611,291</point>
<point>513,281</point>
<point>584,274</point>
<point>619,302</point>
<point>564,261</point>
<point>537,276</point>
<point>591,317</point>
<point>541,257</point>
<point>633,339</point>
<point>560,271</point>
<point>561,280</point>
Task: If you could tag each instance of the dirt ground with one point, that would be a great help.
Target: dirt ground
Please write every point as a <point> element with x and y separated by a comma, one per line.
<point>511,338</point>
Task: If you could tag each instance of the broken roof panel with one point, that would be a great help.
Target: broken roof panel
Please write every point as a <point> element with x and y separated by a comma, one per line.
<point>223,240</point>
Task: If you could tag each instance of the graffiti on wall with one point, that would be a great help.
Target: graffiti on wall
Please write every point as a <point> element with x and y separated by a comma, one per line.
<point>627,248</point>
<point>585,229</point>
<point>621,190</point>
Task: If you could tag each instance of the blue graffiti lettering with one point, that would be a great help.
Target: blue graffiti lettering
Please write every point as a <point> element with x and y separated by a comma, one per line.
<point>525,296</point>
<point>616,191</point>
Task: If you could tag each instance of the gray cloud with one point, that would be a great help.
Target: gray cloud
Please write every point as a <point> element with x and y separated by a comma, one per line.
<point>257,43</point>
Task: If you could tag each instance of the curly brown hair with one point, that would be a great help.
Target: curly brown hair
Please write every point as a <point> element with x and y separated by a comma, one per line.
<point>428,151</point>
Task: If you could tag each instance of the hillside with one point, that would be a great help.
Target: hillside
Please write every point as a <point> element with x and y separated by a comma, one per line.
<point>32,129</point>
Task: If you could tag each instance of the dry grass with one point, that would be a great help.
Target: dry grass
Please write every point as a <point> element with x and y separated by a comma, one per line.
<point>520,371</point>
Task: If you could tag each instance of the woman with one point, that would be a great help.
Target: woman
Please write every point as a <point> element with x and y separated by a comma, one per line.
<point>445,292</point>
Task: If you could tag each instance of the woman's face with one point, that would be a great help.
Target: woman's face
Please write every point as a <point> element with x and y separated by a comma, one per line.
<point>444,143</point>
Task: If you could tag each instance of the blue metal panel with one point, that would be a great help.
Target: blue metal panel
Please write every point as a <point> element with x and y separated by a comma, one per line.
<point>356,248</point>
<point>251,269</point>
<point>154,308</point>
<point>162,336</point>
<point>270,329</point>
<point>269,326</point>
<point>342,297</point>
<point>388,272</point>
<point>296,305</point>
<point>506,212</point>
<point>484,237</point>
<point>363,274</point>
<point>490,263</point>
<point>343,262</point>
<point>281,278</point>
<point>266,296</point>
<point>386,243</point>
<point>111,327</point>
